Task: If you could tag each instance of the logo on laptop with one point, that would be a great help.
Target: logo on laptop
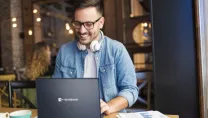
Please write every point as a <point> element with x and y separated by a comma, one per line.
<point>68,99</point>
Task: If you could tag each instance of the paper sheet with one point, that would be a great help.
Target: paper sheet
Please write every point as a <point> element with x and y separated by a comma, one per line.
<point>145,114</point>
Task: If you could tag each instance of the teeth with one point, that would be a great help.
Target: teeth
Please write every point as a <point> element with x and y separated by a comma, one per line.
<point>83,36</point>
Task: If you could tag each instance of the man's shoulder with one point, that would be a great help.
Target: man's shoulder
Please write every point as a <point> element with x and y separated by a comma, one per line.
<point>68,48</point>
<point>114,43</point>
<point>114,47</point>
<point>69,45</point>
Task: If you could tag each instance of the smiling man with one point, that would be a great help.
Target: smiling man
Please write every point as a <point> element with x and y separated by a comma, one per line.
<point>94,55</point>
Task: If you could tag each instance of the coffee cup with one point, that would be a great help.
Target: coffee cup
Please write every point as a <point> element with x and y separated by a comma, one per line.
<point>21,114</point>
<point>4,115</point>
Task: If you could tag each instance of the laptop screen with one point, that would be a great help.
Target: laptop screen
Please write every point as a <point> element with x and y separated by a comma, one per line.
<point>68,98</point>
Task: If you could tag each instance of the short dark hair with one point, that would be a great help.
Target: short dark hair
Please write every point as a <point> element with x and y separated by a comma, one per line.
<point>98,4</point>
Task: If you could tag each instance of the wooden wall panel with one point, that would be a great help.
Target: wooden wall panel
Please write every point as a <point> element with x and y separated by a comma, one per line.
<point>110,18</point>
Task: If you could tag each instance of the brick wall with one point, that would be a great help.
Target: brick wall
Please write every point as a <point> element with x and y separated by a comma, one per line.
<point>17,42</point>
<point>37,25</point>
<point>14,50</point>
<point>11,44</point>
<point>6,40</point>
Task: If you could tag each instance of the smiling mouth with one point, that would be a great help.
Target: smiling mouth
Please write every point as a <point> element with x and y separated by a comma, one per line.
<point>83,36</point>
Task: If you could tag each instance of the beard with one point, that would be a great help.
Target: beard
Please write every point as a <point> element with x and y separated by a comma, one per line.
<point>87,37</point>
<point>84,38</point>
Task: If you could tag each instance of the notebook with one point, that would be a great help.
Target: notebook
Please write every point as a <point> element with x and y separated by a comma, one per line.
<point>68,98</point>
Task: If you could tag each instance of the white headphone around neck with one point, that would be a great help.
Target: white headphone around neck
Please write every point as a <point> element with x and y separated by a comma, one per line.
<point>95,45</point>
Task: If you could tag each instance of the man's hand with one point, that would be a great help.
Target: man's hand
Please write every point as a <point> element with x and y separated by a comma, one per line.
<point>105,108</point>
<point>114,105</point>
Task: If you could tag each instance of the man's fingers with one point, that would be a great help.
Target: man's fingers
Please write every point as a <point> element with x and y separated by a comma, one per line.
<point>102,104</point>
<point>107,112</point>
<point>104,108</point>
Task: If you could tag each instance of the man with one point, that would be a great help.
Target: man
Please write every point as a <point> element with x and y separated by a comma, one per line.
<point>97,56</point>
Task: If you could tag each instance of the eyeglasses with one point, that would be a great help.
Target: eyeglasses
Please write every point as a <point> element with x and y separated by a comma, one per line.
<point>87,25</point>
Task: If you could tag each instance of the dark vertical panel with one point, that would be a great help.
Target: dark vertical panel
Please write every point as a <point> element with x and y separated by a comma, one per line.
<point>120,21</point>
<point>110,18</point>
<point>175,68</point>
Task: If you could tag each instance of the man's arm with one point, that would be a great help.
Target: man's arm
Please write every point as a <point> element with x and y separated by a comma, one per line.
<point>126,76</point>
<point>126,83</point>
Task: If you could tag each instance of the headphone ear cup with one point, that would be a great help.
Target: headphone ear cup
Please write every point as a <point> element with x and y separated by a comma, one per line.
<point>97,46</point>
<point>93,46</point>
<point>81,47</point>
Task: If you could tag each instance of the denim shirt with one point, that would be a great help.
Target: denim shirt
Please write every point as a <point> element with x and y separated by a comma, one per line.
<point>115,70</point>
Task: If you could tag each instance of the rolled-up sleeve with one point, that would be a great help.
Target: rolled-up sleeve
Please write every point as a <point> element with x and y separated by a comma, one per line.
<point>126,76</point>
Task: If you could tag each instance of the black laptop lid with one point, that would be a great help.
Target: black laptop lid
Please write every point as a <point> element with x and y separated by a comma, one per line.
<point>68,98</point>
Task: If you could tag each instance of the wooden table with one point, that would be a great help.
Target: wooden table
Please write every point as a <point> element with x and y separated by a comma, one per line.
<point>34,112</point>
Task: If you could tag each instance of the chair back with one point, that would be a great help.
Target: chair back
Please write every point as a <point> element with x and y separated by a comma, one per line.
<point>20,85</point>
<point>7,77</point>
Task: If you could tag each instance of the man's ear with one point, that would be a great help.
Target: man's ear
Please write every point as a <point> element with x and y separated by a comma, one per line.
<point>102,21</point>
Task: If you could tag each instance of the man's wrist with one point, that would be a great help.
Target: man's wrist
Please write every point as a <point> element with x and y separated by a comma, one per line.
<point>110,108</point>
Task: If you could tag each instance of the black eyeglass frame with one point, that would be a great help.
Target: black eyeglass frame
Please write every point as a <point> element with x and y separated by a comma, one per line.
<point>84,24</point>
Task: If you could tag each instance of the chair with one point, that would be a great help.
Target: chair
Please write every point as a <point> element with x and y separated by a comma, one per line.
<point>144,79</point>
<point>20,85</point>
<point>20,74</point>
<point>3,87</point>
<point>7,77</point>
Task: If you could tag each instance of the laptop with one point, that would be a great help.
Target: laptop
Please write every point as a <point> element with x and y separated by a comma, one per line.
<point>68,98</point>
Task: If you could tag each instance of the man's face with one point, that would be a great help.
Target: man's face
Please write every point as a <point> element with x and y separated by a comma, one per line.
<point>88,15</point>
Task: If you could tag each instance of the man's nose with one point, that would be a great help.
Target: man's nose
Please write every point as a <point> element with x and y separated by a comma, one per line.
<point>82,29</point>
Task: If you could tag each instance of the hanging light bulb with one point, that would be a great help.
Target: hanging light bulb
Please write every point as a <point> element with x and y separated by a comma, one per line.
<point>35,11</point>
<point>145,24</point>
<point>71,31</point>
<point>30,32</point>
<point>14,25</point>
<point>14,19</point>
<point>38,19</point>
<point>67,26</point>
